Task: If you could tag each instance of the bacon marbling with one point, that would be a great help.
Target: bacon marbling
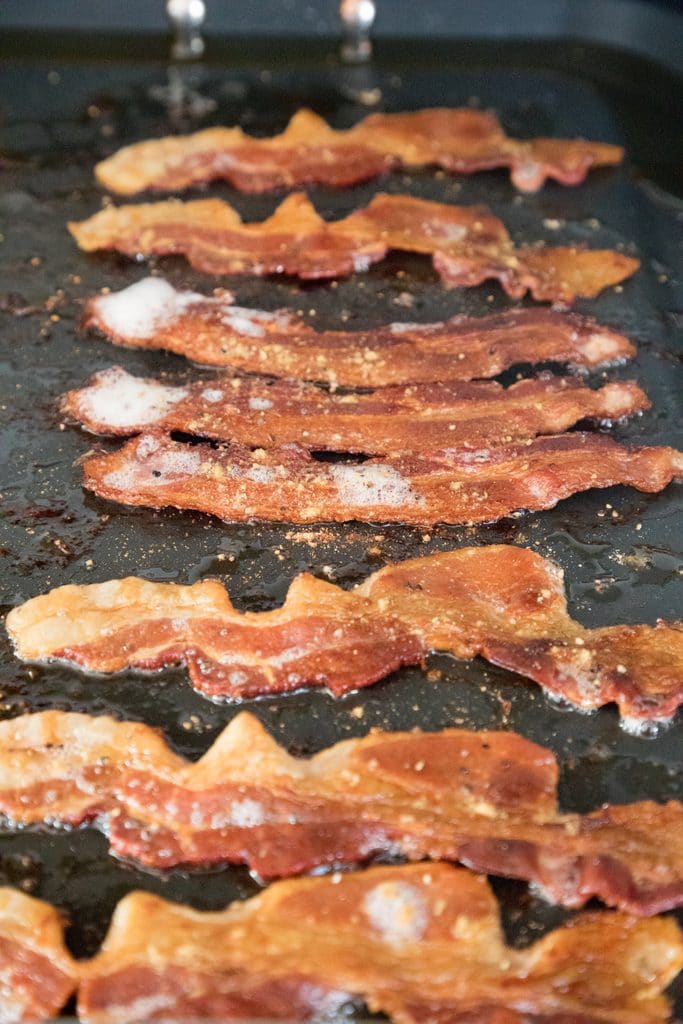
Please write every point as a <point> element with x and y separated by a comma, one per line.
<point>504,603</point>
<point>488,799</point>
<point>455,485</point>
<point>213,331</point>
<point>459,140</point>
<point>422,417</point>
<point>468,244</point>
<point>37,974</point>
<point>417,943</point>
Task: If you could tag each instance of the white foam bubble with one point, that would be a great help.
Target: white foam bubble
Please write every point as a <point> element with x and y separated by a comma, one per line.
<point>260,404</point>
<point>142,1008</point>
<point>212,394</point>
<point>157,469</point>
<point>373,484</point>
<point>397,910</point>
<point>261,474</point>
<point>245,321</point>
<point>401,328</point>
<point>177,462</point>
<point>452,232</point>
<point>137,311</point>
<point>645,728</point>
<point>247,813</point>
<point>118,399</point>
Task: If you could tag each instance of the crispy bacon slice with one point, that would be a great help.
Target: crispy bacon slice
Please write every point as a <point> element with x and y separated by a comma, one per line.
<point>211,330</point>
<point>418,944</point>
<point>504,603</point>
<point>458,485</point>
<point>423,417</point>
<point>488,799</point>
<point>37,974</point>
<point>459,140</point>
<point>468,244</point>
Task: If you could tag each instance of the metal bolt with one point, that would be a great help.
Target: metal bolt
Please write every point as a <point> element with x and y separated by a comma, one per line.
<point>357,17</point>
<point>187,18</point>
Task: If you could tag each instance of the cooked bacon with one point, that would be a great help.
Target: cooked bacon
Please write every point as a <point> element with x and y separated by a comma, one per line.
<point>468,244</point>
<point>459,140</point>
<point>488,799</point>
<point>504,603</point>
<point>37,974</point>
<point>211,330</point>
<point>417,944</point>
<point>423,417</point>
<point>457,485</point>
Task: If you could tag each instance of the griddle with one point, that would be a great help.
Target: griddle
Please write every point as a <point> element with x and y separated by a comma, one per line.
<point>67,103</point>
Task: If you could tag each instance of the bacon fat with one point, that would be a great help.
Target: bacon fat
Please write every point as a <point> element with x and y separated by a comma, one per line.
<point>467,243</point>
<point>456,486</point>
<point>415,943</point>
<point>37,974</point>
<point>424,417</point>
<point>211,330</point>
<point>418,943</point>
<point>488,799</point>
<point>504,603</point>
<point>459,140</point>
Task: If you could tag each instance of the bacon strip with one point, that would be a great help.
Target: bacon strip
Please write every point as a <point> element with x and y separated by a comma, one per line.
<point>415,944</point>
<point>458,485</point>
<point>488,799</point>
<point>459,140</point>
<point>468,244</point>
<point>504,603</point>
<point>418,944</point>
<point>257,412</point>
<point>37,974</point>
<point>211,330</point>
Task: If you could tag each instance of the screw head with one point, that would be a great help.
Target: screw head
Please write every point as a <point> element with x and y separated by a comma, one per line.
<point>189,13</point>
<point>358,14</point>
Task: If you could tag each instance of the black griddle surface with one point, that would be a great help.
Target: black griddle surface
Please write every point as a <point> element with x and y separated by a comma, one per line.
<point>621,550</point>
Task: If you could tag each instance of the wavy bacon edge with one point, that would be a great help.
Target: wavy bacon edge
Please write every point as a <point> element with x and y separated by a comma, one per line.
<point>468,244</point>
<point>37,973</point>
<point>459,140</point>
<point>288,483</point>
<point>504,603</point>
<point>260,413</point>
<point>488,799</point>
<point>211,330</point>
<point>417,943</point>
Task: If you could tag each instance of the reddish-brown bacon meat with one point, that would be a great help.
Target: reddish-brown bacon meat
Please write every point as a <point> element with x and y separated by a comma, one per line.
<point>468,244</point>
<point>37,974</point>
<point>211,330</point>
<point>460,140</point>
<point>288,484</point>
<point>417,943</point>
<point>488,799</point>
<point>422,417</point>
<point>504,603</point>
